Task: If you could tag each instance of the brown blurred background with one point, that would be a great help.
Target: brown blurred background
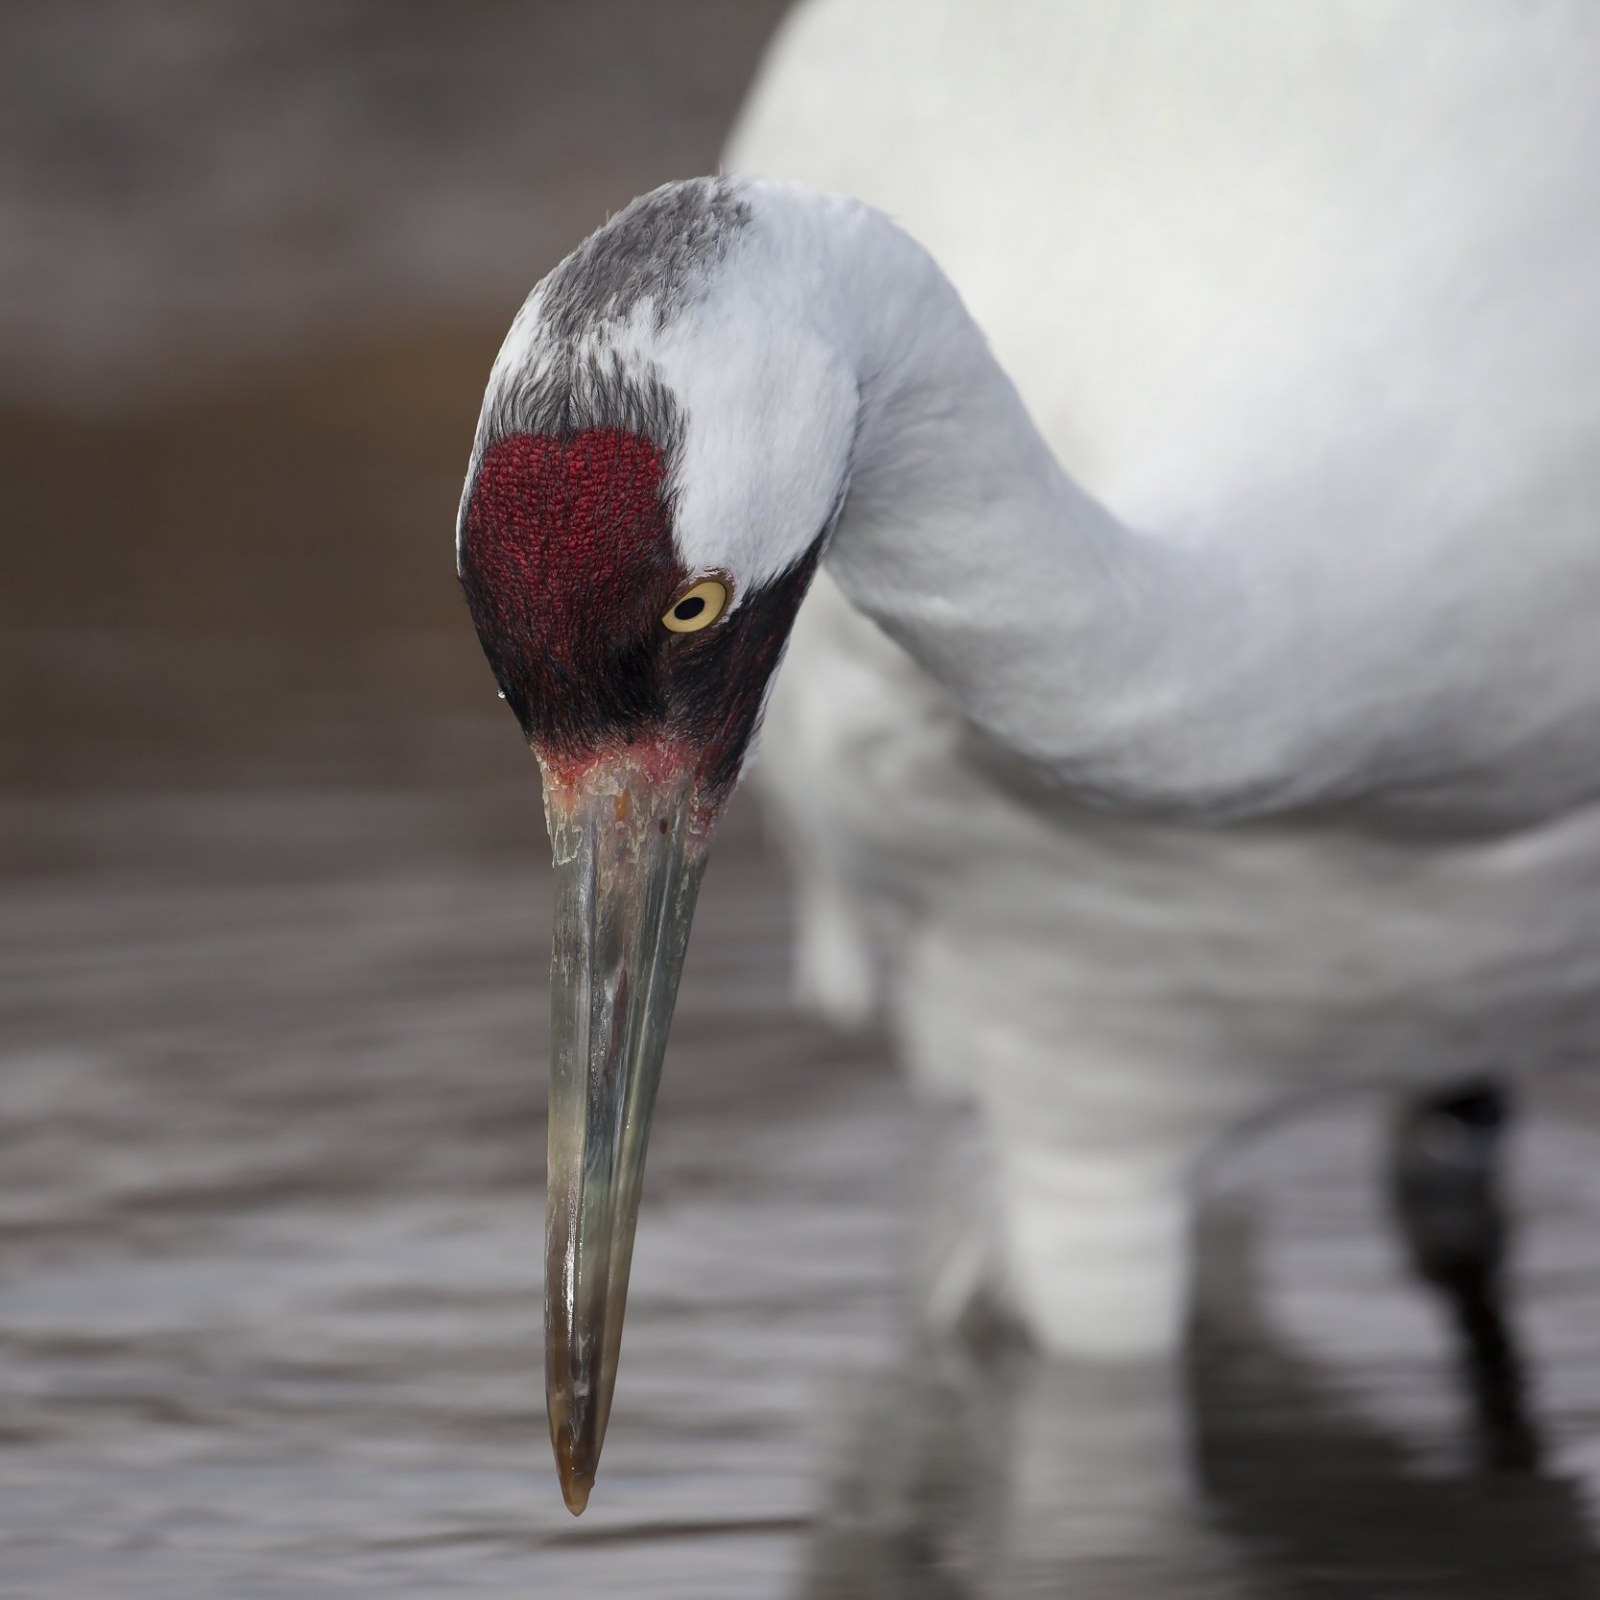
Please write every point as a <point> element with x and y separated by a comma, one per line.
<point>254,264</point>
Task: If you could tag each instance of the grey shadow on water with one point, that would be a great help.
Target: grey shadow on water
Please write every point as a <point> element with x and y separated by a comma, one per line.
<point>979,1471</point>
<point>1322,1503</point>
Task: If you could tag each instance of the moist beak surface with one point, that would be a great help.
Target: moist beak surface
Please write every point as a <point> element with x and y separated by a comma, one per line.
<point>629,853</point>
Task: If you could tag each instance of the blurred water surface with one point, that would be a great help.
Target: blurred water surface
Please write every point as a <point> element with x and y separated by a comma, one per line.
<point>274,910</point>
<point>271,1150</point>
<point>270,1157</point>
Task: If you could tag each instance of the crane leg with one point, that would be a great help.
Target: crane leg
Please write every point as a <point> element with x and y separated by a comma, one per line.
<point>1445,1191</point>
<point>1097,1249</point>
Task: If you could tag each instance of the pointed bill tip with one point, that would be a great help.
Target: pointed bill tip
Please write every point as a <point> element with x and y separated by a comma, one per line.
<point>577,1448</point>
<point>575,1490</point>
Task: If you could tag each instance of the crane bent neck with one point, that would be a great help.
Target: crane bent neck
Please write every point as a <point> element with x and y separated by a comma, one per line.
<point>1119,664</point>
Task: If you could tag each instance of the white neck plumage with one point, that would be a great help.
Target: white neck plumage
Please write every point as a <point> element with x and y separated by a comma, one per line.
<point>1125,667</point>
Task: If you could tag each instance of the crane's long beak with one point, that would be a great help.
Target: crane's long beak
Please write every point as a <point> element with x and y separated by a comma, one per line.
<point>629,849</point>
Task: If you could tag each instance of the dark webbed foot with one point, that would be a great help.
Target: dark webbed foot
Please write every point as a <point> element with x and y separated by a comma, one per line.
<point>1445,1187</point>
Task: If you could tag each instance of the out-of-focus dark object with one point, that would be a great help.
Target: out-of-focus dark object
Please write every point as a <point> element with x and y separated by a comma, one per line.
<point>1446,1191</point>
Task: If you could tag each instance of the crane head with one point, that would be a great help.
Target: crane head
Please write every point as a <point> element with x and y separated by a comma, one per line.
<point>658,463</point>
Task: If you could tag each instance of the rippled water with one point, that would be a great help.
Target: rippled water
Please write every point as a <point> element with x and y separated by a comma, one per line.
<point>270,1162</point>
<point>270,1168</point>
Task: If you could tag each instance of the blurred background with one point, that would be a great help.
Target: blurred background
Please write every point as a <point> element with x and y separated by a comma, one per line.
<point>275,913</point>
<point>275,905</point>
<point>254,264</point>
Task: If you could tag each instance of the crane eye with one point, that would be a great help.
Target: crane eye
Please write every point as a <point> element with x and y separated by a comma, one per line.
<point>697,608</point>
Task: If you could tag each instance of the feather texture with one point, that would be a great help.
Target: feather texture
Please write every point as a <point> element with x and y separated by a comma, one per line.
<point>1231,729</point>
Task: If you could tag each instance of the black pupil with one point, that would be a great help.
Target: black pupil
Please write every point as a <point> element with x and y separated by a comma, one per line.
<point>688,610</point>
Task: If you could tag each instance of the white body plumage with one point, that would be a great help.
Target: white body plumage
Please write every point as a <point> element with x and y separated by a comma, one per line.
<point>1307,296</point>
